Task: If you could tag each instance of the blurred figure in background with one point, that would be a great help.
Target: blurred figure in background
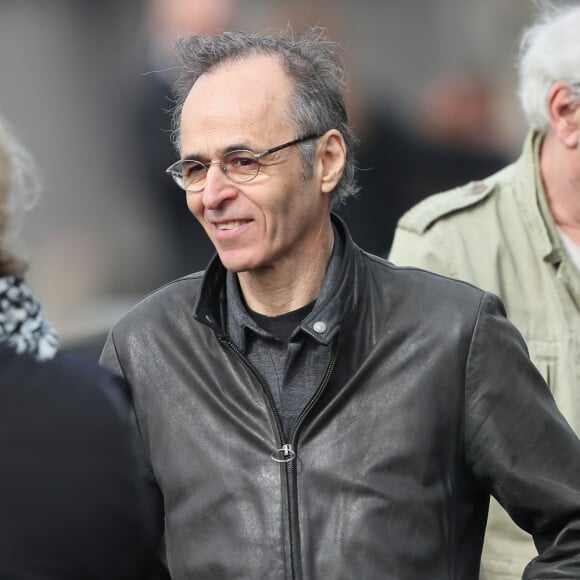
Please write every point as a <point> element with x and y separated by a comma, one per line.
<point>517,234</point>
<point>458,138</point>
<point>188,247</point>
<point>75,496</point>
<point>459,108</point>
<point>400,164</point>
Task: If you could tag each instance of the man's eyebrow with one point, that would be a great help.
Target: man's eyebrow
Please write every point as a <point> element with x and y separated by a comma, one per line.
<point>233,147</point>
<point>191,156</point>
<point>237,147</point>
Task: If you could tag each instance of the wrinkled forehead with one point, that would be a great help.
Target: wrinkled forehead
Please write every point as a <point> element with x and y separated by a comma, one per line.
<point>249,90</point>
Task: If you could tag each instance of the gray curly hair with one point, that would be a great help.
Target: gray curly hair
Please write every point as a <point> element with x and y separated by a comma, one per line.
<point>549,52</point>
<point>18,193</point>
<point>316,70</point>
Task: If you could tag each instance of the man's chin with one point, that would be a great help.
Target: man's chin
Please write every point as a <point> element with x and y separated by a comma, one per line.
<point>237,266</point>
<point>242,266</point>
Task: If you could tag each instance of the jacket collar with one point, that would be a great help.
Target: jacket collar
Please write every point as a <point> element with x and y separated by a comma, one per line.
<point>529,194</point>
<point>337,299</point>
<point>533,207</point>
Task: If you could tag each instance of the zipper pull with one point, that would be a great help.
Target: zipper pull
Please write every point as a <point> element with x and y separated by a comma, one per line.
<point>284,455</point>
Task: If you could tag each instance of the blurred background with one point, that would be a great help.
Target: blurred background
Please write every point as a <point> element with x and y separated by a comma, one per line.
<point>86,86</point>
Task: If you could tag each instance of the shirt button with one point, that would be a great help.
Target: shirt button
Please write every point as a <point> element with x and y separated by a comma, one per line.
<point>319,327</point>
<point>478,187</point>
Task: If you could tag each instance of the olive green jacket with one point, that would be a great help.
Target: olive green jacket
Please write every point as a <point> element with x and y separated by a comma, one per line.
<point>498,234</point>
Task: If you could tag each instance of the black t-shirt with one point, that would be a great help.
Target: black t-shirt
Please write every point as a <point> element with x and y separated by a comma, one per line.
<point>284,325</point>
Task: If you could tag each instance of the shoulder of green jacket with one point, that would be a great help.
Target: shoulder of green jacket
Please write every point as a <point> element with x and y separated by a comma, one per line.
<point>423,215</point>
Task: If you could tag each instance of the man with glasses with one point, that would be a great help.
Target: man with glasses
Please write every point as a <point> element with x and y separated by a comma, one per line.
<point>309,410</point>
<point>517,234</point>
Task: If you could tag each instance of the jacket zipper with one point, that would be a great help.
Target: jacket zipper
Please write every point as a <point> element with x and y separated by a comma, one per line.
<point>265,389</point>
<point>287,449</point>
<point>292,502</point>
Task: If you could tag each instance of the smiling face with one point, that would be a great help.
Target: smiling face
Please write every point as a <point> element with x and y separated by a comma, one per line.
<point>278,218</point>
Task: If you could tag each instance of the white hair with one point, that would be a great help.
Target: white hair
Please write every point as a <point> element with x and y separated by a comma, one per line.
<point>549,52</point>
<point>19,189</point>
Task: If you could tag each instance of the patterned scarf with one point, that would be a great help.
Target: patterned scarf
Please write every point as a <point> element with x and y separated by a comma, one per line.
<point>22,323</point>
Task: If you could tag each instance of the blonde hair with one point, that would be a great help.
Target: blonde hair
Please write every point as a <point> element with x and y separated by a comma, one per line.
<point>18,193</point>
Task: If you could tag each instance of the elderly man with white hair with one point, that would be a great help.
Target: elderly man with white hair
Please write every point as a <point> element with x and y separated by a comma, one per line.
<point>517,234</point>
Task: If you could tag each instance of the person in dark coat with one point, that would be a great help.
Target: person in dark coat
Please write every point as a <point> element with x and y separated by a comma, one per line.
<point>76,500</point>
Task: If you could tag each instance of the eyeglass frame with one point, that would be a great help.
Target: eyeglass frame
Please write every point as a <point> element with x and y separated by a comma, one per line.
<point>178,177</point>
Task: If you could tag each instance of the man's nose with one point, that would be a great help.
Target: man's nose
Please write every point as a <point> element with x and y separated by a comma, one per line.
<point>218,186</point>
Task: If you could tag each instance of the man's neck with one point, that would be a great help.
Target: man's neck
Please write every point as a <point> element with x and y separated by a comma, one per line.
<point>560,170</point>
<point>288,286</point>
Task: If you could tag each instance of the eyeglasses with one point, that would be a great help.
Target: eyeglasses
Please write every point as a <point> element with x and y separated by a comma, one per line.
<point>241,166</point>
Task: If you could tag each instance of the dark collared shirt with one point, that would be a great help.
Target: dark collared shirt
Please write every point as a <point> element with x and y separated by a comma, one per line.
<point>293,369</point>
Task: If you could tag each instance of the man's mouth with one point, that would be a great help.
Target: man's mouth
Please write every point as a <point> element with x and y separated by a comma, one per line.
<point>229,225</point>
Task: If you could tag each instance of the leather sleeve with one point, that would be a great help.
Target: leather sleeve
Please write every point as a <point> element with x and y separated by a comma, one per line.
<point>519,445</point>
<point>109,358</point>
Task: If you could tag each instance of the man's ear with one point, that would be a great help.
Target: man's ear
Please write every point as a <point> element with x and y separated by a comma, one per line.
<point>564,111</point>
<point>331,159</point>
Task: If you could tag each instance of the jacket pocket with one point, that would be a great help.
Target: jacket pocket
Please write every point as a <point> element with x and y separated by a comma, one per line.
<point>544,354</point>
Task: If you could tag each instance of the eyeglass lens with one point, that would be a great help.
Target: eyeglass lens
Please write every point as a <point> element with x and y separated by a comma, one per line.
<point>240,166</point>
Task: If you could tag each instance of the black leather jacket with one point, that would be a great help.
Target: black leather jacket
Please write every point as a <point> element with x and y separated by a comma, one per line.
<point>429,404</point>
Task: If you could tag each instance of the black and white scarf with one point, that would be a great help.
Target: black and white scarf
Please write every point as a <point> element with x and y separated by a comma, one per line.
<point>22,323</point>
